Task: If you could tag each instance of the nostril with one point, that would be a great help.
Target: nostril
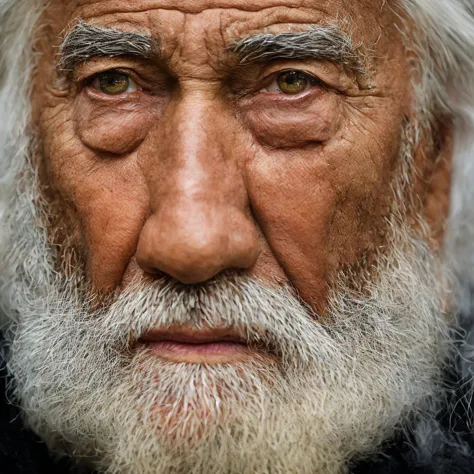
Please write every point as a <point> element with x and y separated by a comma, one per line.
<point>156,274</point>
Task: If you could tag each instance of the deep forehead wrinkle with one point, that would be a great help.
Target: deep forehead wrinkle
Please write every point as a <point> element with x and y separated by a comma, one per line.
<point>95,7</point>
<point>85,41</point>
<point>323,43</point>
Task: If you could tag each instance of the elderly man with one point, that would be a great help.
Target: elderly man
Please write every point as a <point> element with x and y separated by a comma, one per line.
<point>224,236</point>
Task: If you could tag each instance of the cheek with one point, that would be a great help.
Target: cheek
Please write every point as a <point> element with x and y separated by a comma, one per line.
<point>294,206</point>
<point>108,196</point>
<point>112,225</point>
<point>322,208</point>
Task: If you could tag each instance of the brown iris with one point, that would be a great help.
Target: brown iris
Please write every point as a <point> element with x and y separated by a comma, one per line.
<point>293,82</point>
<point>113,82</point>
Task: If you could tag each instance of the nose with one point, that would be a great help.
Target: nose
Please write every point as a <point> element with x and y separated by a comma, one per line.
<point>200,223</point>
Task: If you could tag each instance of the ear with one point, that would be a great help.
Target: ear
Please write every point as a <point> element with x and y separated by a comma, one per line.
<point>433,181</point>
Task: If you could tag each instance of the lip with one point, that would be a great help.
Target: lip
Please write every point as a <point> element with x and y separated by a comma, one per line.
<point>197,346</point>
<point>193,336</point>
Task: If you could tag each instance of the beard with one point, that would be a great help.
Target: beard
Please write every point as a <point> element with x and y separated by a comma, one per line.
<point>317,392</point>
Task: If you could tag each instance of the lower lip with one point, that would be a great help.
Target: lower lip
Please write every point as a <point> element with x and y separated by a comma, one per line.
<point>199,353</point>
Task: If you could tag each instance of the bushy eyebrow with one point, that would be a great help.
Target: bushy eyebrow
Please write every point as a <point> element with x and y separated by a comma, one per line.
<point>321,43</point>
<point>85,42</point>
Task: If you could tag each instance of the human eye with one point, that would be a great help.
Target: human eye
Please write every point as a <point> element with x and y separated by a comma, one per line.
<point>113,82</point>
<point>291,82</point>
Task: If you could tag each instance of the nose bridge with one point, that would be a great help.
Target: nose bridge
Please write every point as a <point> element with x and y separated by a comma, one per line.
<point>200,164</point>
<point>199,223</point>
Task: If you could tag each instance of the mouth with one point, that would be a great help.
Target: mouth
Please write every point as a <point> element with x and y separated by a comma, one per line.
<point>197,346</point>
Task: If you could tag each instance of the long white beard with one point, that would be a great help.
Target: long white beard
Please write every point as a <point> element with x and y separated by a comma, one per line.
<point>337,388</point>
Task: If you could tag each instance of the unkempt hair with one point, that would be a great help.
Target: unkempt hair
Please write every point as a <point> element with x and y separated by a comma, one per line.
<point>444,45</point>
<point>17,173</point>
<point>17,20</point>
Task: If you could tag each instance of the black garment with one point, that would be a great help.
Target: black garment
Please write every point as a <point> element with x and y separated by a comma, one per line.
<point>444,445</point>
<point>21,452</point>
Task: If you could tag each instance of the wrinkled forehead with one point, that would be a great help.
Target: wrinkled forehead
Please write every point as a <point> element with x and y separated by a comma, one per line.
<point>216,24</point>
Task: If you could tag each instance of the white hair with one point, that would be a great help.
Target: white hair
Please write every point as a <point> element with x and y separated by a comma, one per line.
<point>444,43</point>
<point>17,62</point>
<point>17,20</point>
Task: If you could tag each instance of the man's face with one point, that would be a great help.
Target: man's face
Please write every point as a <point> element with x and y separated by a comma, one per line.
<point>225,179</point>
<point>199,159</point>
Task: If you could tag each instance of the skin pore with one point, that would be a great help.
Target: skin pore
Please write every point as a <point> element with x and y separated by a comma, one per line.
<point>204,165</point>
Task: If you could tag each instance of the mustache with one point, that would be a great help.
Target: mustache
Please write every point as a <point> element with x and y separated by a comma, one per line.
<point>272,319</point>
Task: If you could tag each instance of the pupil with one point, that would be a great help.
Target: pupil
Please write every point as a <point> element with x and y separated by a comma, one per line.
<point>115,80</point>
<point>292,78</point>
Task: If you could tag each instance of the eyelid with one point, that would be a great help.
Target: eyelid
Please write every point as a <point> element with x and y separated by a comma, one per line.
<point>330,75</point>
<point>143,84</point>
<point>151,81</point>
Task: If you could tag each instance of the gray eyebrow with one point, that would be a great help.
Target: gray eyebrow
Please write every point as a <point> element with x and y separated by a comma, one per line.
<point>322,43</point>
<point>85,41</point>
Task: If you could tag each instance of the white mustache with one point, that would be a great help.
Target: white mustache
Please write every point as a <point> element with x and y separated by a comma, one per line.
<point>271,318</point>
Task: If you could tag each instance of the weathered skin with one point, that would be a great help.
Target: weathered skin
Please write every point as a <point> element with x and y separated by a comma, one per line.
<point>206,173</point>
